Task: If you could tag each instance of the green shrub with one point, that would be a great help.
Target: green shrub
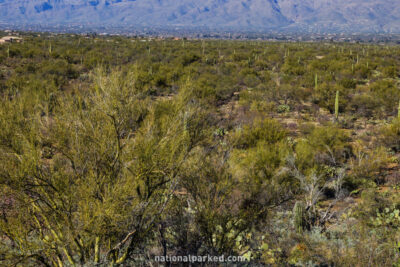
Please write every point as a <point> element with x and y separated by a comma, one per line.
<point>387,93</point>
<point>269,131</point>
<point>323,146</point>
<point>366,167</point>
<point>348,83</point>
<point>364,105</point>
<point>390,135</point>
<point>391,72</point>
<point>262,106</point>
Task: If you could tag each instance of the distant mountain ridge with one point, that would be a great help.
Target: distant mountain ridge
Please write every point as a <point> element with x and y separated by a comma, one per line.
<point>381,16</point>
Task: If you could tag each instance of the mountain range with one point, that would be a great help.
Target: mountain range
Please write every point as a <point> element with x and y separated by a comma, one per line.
<point>374,16</point>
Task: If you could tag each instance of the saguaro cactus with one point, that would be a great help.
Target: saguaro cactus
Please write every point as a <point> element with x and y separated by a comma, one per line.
<point>337,105</point>
<point>299,219</point>
<point>8,51</point>
<point>398,111</point>
<point>316,81</point>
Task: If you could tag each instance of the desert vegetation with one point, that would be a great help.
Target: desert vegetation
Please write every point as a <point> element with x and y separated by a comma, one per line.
<point>114,150</point>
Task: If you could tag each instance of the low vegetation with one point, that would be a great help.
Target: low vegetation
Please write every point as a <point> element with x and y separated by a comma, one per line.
<point>114,150</point>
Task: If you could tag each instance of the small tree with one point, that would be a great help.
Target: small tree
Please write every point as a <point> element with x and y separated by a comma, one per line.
<point>88,183</point>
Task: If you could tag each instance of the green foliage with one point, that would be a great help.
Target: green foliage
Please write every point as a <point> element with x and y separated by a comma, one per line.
<point>348,83</point>
<point>365,105</point>
<point>266,130</point>
<point>72,193</point>
<point>322,146</point>
<point>390,135</point>
<point>113,147</point>
<point>391,72</point>
<point>368,166</point>
<point>387,94</point>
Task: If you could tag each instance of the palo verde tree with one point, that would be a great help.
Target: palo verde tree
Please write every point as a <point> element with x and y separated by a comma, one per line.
<point>86,176</point>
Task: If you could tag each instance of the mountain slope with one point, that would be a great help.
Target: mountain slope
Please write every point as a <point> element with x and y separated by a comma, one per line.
<point>349,15</point>
<point>324,15</point>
